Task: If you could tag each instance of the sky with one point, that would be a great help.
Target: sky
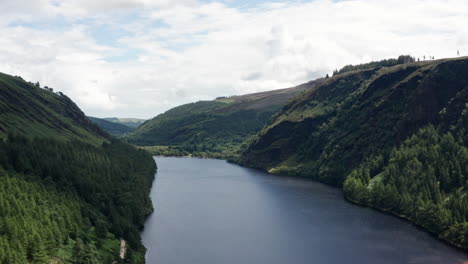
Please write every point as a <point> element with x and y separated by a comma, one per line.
<point>139,58</point>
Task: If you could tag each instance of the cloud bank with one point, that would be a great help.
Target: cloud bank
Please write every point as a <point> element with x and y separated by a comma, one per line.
<point>141,57</point>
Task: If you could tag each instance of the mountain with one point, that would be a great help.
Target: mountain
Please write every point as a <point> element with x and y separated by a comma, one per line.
<point>27,110</point>
<point>214,128</point>
<point>115,129</point>
<point>68,190</point>
<point>394,137</point>
<point>130,122</point>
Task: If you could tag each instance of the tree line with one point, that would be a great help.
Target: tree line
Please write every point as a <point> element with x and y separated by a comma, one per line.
<point>424,180</point>
<point>71,201</point>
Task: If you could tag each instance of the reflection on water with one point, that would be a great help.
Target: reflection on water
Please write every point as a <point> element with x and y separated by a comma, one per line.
<point>213,212</point>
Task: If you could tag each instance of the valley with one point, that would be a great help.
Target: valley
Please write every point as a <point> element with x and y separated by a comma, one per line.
<point>391,134</point>
<point>233,132</point>
<point>215,129</point>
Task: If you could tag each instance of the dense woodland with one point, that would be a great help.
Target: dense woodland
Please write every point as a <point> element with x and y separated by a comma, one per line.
<point>424,180</point>
<point>396,137</point>
<point>71,200</point>
<point>68,191</point>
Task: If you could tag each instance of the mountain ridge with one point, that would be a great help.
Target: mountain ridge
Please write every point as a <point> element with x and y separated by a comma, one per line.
<point>128,121</point>
<point>214,128</point>
<point>370,130</point>
<point>113,128</point>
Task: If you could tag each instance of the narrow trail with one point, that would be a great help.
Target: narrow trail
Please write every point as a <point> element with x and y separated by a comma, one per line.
<point>123,248</point>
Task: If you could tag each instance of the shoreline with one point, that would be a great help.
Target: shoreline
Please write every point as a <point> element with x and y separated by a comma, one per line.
<point>402,217</point>
<point>406,219</point>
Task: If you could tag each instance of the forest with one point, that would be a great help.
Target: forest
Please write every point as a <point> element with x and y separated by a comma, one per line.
<point>424,180</point>
<point>69,191</point>
<point>393,137</point>
<point>72,201</point>
<point>403,59</point>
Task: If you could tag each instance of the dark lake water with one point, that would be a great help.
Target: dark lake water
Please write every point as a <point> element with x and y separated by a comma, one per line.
<point>213,212</point>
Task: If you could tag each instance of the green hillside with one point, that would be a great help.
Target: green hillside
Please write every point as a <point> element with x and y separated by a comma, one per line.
<point>130,122</point>
<point>115,129</point>
<point>395,136</point>
<point>212,128</point>
<point>68,191</point>
<point>27,110</point>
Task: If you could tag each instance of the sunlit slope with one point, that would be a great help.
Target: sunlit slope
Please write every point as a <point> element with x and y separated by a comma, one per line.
<point>212,128</point>
<point>394,137</point>
<point>325,132</point>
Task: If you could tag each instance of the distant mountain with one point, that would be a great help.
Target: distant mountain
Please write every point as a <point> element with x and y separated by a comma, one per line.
<point>113,128</point>
<point>394,137</point>
<point>68,190</point>
<point>212,128</point>
<point>130,122</point>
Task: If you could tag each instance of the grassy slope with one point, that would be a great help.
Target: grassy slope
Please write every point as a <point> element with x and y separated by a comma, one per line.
<point>212,128</point>
<point>47,183</point>
<point>352,117</point>
<point>27,110</point>
<point>115,129</point>
<point>339,118</point>
<point>130,122</point>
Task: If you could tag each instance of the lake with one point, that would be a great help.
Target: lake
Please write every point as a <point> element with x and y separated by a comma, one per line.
<point>213,212</point>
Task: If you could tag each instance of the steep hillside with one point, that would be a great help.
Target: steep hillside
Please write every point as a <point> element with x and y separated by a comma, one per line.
<point>25,109</point>
<point>68,191</point>
<point>212,128</point>
<point>397,134</point>
<point>115,129</point>
<point>130,122</point>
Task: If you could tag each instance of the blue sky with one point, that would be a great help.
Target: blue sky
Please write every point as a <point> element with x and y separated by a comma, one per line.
<point>138,58</point>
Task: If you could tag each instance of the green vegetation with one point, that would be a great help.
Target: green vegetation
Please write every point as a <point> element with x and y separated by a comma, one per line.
<point>214,129</point>
<point>68,191</point>
<point>115,129</point>
<point>206,133</point>
<point>391,134</point>
<point>424,180</point>
<point>383,63</point>
<point>26,109</point>
<point>130,122</point>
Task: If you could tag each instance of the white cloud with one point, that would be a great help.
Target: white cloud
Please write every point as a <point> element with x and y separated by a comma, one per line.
<point>80,8</point>
<point>178,52</point>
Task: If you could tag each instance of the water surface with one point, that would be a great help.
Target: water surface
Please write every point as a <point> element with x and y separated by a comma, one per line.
<point>213,212</point>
